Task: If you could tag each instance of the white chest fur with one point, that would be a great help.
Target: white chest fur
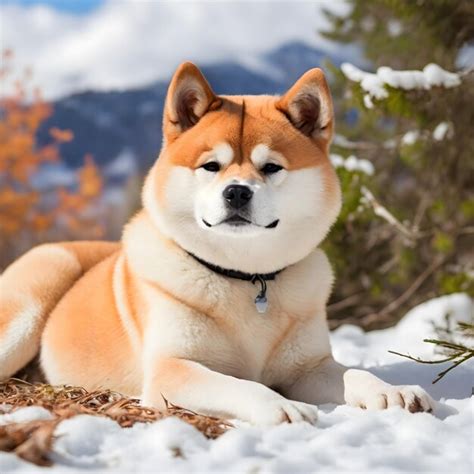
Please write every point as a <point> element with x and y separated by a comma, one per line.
<point>198,314</point>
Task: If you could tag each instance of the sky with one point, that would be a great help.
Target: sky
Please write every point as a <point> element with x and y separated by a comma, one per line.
<point>77,7</point>
<point>74,45</point>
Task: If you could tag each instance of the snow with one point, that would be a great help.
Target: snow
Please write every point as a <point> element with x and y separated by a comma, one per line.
<point>24,415</point>
<point>369,82</point>
<point>465,59</point>
<point>52,175</point>
<point>344,142</point>
<point>368,102</point>
<point>441,130</point>
<point>394,28</point>
<point>374,84</point>
<point>123,165</point>
<point>345,439</point>
<point>352,163</point>
<point>410,137</point>
<point>437,76</point>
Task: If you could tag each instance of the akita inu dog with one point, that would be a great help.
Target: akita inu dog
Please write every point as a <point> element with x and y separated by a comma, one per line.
<point>215,297</point>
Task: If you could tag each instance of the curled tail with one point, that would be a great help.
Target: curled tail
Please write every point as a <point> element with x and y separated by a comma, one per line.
<point>31,287</point>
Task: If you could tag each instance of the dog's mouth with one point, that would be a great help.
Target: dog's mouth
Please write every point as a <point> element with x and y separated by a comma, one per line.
<point>239,221</point>
<point>236,221</point>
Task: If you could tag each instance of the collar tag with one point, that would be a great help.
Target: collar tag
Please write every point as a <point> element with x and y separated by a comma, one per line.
<point>261,303</point>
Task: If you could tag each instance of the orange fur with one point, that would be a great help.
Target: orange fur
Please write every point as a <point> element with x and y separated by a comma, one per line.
<point>104,356</point>
<point>89,312</point>
<point>145,318</point>
<point>33,285</point>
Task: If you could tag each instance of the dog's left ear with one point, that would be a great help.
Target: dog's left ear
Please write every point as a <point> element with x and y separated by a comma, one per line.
<point>308,105</point>
<point>189,97</point>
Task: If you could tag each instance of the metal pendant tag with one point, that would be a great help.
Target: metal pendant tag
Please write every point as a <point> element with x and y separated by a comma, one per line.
<point>261,303</point>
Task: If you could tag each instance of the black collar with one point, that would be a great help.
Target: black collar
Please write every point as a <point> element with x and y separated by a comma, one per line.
<point>238,275</point>
<point>261,299</point>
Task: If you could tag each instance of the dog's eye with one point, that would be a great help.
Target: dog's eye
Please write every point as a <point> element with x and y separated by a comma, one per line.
<point>271,168</point>
<point>212,166</point>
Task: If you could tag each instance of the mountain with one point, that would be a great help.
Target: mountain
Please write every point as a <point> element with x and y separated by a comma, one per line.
<point>111,125</point>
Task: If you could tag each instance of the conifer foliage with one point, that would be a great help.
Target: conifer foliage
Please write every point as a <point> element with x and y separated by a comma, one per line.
<point>407,226</point>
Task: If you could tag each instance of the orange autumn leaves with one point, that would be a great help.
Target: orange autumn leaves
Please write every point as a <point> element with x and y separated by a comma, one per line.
<point>63,213</point>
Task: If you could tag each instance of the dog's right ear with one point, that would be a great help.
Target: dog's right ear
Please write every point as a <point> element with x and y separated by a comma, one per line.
<point>189,97</point>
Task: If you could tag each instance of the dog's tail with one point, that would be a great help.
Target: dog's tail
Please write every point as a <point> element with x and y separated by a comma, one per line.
<point>29,290</point>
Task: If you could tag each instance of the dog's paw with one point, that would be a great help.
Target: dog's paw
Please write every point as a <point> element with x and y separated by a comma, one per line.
<point>410,397</point>
<point>364,390</point>
<point>282,410</point>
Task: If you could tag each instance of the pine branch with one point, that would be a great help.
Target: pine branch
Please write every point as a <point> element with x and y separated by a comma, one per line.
<point>458,353</point>
<point>467,329</point>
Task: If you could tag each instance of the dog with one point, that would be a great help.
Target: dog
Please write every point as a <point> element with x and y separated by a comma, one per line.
<point>215,297</point>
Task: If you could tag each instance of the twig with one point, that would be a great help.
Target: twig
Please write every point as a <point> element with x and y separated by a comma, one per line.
<point>385,214</point>
<point>413,287</point>
<point>457,352</point>
<point>366,320</point>
<point>422,361</point>
<point>466,72</point>
<point>343,142</point>
<point>388,265</point>
<point>345,303</point>
<point>459,362</point>
<point>454,356</point>
<point>420,212</point>
<point>466,230</point>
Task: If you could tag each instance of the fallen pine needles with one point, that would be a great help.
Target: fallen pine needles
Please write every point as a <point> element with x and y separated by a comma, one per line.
<point>33,440</point>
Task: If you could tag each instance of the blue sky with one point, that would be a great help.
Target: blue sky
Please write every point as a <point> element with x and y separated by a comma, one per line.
<point>71,6</point>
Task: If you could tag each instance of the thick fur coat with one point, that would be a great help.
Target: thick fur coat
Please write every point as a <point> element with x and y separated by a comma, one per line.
<point>243,183</point>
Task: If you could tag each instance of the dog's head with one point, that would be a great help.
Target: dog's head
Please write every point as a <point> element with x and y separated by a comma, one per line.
<point>245,182</point>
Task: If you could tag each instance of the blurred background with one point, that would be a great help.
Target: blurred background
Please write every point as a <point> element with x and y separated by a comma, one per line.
<point>82,85</point>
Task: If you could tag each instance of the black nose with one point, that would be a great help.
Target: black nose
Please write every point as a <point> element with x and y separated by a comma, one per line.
<point>237,195</point>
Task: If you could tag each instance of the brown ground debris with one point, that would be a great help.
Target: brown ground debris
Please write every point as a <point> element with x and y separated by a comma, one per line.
<point>33,440</point>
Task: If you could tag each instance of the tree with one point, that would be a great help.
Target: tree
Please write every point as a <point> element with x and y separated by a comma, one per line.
<point>405,233</point>
<point>28,216</point>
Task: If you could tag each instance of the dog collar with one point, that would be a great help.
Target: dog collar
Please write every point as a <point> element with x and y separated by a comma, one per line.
<point>261,302</point>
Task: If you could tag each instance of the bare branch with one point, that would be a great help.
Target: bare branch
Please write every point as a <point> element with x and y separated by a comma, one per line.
<point>385,214</point>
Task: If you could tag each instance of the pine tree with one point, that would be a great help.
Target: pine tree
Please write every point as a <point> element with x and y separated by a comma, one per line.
<point>405,233</point>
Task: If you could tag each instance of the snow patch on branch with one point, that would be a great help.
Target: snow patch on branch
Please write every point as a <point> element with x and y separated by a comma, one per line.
<point>352,163</point>
<point>411,137</point>
<point>441,130</point>
<point>374,84</point>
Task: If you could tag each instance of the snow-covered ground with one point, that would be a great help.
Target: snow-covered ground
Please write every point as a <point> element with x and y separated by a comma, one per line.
<point>345,439</point>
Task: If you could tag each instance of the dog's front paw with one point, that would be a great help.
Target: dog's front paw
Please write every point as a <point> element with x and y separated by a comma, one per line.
<point>364,390</point>
<point>410,397</point>
<point>282,410</point>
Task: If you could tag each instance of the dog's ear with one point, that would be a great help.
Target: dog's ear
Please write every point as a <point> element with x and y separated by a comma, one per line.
<point>308,105</point>
<point>189,98</point>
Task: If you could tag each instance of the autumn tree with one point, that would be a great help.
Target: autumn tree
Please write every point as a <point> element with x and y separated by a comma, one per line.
<point>28,216</point>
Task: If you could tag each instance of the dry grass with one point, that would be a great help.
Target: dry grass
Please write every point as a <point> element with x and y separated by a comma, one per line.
<point>32,441</point>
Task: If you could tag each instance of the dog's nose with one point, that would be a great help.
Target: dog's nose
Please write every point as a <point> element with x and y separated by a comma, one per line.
<point>237,195</point>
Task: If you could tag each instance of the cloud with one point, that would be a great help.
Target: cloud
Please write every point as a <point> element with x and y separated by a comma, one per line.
<point>131,43</point>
